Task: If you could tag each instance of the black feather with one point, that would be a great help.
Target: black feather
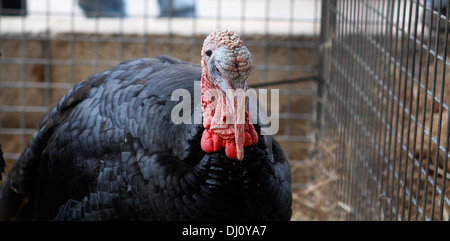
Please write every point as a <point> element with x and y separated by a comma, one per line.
<point>108,150</point>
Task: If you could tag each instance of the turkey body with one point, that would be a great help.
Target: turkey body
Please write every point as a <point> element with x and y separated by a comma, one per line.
<point>109,151</point>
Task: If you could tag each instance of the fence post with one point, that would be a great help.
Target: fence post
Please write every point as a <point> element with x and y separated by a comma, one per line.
<point>327,26</point>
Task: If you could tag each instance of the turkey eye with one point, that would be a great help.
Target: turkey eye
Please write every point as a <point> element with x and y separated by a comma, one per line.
<point>208,53</point>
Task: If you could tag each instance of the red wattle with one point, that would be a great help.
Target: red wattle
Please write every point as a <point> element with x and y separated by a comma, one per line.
<point>207,122</point>
<point>230,149</point>
<point>210,142</point>
<point>248,139</point>
<point>217,142</point>
<point>253,133</point>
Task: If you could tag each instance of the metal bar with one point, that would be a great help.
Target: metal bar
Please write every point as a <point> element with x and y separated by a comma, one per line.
<point>436,164</point>
<point>423,112</point>
<point>325,33</point>
<point>405,166</point>
<point>23,45</point>
<point>389,113</point>
<point>388,41</point>
<point>110,63</point>
<point>416,115</point>
<point>377,156</point>
<point>286,81</point>
<point>343,122</point>
<point>431,114</point>
<point>298,43</point>
<point>444,168</point>
<point>396,115</point>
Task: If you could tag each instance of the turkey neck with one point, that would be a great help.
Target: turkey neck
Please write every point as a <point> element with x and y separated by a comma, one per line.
<point>217,111</point>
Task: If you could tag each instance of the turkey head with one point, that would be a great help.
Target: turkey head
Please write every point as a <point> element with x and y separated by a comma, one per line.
<point>226,66</point>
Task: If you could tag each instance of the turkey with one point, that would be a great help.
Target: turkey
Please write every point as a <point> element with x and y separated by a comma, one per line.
<point>110,150</point>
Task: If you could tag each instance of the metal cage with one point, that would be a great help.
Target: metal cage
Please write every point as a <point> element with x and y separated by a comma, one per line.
<point>385,107</point>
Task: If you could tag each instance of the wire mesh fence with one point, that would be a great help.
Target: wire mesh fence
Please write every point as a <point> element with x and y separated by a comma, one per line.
<point>385,107</point>
<point>48,46</point>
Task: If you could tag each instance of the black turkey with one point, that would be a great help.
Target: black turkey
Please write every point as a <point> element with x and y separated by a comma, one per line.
<point>110,150</point>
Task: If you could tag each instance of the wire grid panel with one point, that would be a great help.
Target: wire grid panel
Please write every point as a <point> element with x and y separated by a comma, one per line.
<point>53,46</point>
<point>386,108</point>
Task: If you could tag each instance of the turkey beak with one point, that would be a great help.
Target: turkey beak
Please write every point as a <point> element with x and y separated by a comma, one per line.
<point>216,75</point>
<point>227,86</point>
<point>236,102</point>
<point>229,90</point>
<point>224,86</point>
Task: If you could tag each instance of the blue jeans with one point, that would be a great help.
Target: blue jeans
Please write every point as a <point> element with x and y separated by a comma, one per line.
<point>103,8</point>
<point>177,8</point>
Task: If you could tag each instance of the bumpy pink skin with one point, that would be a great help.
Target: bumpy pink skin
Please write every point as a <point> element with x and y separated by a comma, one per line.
<point>235,65</point>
